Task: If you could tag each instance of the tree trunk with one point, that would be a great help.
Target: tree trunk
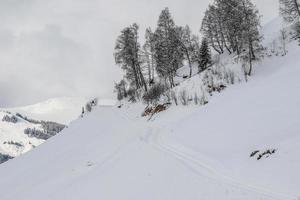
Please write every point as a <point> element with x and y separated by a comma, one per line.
<point>137,82</point>
<point>250,59</point>
<point>190,62</point>
<point>297,6</point>
<point>142,77</point>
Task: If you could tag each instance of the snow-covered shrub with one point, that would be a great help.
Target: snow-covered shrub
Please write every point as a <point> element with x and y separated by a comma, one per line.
<point>89,105</point>
<point>231,77</point>
<point>4,158</point>
<point>13,143</point>
<point>196,99</point>
<point>183,96</point>
<point>132,95</point>
<point>52,127</point>
<point>203,99</point>
<point>174,97</point>
<point>153,95</point>
<point>12,119</point>
<point>39,134</point>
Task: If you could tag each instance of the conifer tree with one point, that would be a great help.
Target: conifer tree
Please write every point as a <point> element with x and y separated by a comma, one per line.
<point>168,55</point>
<point>148,54</point>
<point>204,55</point>
<point>127,54</point>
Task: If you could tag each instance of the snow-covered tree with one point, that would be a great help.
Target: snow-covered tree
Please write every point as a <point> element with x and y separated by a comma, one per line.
<point>233,25</point>
<point>168,54</point>
<point>148,55</point>
<point>290,10</point>
<point>204,55</point>
<point>127,54</point>
<point>120,89</point>
<point>189,45</point>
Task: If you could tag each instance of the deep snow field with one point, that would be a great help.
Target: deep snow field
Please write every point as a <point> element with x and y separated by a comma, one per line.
<point>187,152</point>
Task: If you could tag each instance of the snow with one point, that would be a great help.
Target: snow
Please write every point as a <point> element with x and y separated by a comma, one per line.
<point>259,115</point>
<point>14,132</point>
<point>95,160</point>
<point>187,152</point>
<point>62,110</point>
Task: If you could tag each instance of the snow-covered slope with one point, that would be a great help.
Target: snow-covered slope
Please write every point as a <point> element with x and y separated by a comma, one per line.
<point>13,141</point>
<point>183,153</point>
<point>62,110</point>
<point>186,153</point>
<point>260,115</point>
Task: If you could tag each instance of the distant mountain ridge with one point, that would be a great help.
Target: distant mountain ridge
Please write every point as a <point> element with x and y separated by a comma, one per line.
<point>19,134</point>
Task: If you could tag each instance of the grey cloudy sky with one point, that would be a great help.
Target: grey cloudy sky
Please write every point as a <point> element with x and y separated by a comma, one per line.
<point>64,47</point>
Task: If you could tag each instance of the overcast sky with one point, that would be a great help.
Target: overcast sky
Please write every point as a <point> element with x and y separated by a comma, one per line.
<point>64,47</point>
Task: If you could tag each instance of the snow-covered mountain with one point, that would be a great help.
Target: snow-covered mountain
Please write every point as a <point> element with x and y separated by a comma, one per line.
<point>19,134</point>
<point>243,144</point>
<point>14,122</point>
<point>13,141</point>
<point>62,110</point>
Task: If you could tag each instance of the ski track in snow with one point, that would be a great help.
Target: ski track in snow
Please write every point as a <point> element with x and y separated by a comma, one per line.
<point>155,136</point>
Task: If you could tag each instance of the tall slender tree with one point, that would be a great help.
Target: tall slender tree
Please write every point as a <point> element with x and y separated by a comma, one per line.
<point>127,54</point>
<point>148,54</point>
<point>204,55</point>
<point>189,45</point>
<point>168,54</point>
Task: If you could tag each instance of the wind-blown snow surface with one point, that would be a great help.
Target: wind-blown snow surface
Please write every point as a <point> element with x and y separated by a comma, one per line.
<point>184,153</point>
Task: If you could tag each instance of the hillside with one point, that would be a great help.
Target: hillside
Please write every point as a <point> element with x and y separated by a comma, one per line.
<point>240,143</point>
<point>62,110</point>
<point>20,134</point>
<point>183,153</point>
<point>13,141</point>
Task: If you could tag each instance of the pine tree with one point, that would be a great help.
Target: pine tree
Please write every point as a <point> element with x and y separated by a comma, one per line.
<point>204,55</point>
<point>148,55</point>
<point>127,54</point>
<point>168,55</point>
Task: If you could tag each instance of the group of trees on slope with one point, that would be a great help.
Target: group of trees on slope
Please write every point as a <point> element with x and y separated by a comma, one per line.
<point>230,26</point>
<point>290,10</point>
<point>163,53</point>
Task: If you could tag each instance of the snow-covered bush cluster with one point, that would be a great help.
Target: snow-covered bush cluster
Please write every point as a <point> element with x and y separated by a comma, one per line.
<point>48,129</point>
<point>11,119</point>
<point>13,143</point>
<point>153,95</point>
<point>39,134</point>
<point>88,107</point>
<point>52,128</point>
<point>4,158</point>
<point>151,70</point>
<point>175,66</point>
